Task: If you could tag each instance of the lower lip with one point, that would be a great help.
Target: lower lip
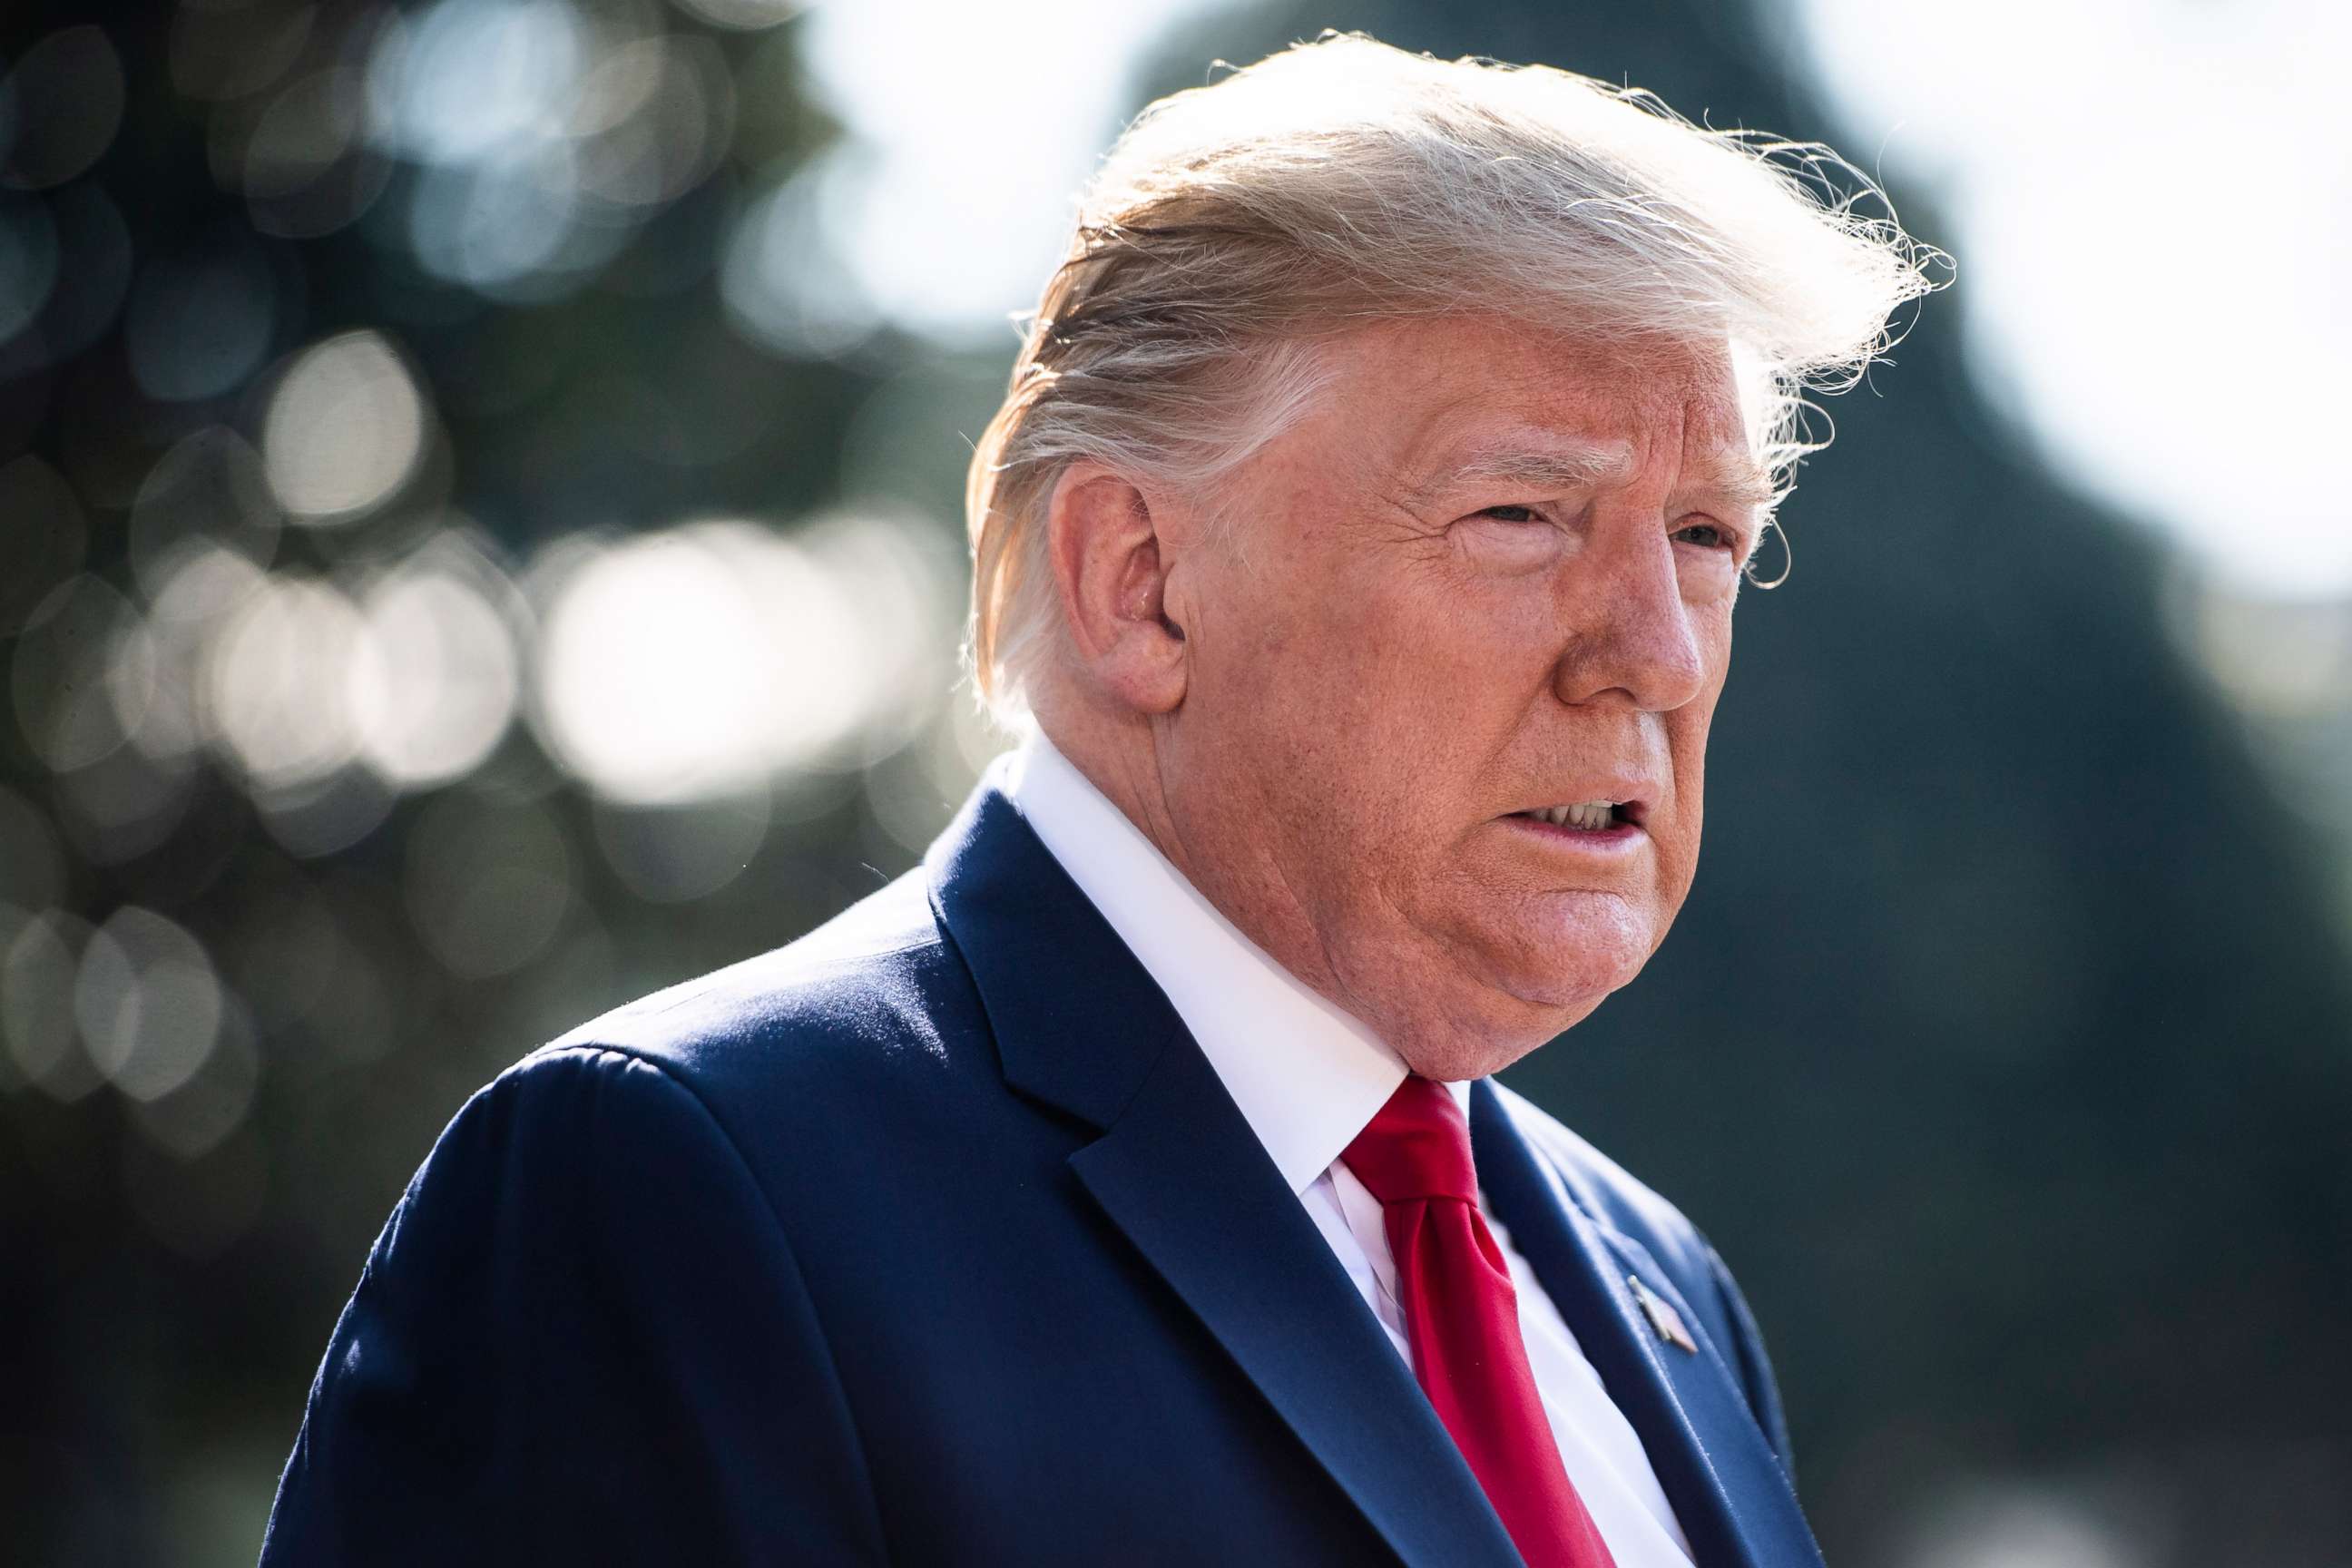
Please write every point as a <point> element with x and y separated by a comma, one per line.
<point>1617,839</point>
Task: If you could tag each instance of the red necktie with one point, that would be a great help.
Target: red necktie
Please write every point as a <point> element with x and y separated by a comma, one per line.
<point>1462,1322</point>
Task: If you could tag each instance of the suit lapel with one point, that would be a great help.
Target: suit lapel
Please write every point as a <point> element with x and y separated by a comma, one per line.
<point>1176,1168</point>
<point>1183,1176</point>
<point>1728,1490</point>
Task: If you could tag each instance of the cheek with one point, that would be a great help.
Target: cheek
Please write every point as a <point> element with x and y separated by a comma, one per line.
<point>1384,677</point>
<point>1448,668</point>
<point>1686,744</point>
<point>1690,773</point>
<point>1295,694</point>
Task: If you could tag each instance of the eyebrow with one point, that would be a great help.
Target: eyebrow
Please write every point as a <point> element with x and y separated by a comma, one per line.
<point>1720,476</point>
<point>1737,482</point>
<point>1565,466</point>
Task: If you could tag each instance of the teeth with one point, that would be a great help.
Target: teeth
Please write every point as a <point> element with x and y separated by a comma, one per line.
<point>1591,815</point>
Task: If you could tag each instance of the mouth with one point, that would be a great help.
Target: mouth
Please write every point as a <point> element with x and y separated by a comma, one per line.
<point>1593,823</point>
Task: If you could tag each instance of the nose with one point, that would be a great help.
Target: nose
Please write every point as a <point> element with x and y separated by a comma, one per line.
<point>1630,639</point>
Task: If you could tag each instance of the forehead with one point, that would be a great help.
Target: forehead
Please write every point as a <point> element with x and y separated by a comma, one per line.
<point>1421,394</point>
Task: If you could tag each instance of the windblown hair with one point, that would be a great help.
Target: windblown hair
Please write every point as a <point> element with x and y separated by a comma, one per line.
<point>1234,227</point>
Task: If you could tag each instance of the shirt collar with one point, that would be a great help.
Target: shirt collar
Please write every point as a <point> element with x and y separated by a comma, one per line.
<point>1306,1075</point>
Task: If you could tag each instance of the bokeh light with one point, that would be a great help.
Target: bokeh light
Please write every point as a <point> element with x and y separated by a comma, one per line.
<point>445,679</point>
<point>66,94</point>
<point>209,491</point>
<point>652,117</point>
<point>346,428</point>
<point>787,281</point>
<point>471,81</point>
<point>201,581</point>
<point>28,261</point>
<point>37,1004</point>
<point>745,15</point>
<point>690,663</point>
<point>93,276</point>
<point>200,321</point>
<point>147,1003</point>
<point>906,579</point>
<point>494,224</point>
<point>1981,1523</point>
<point>276,678</point>
<point>69,703</point>
<point>196,1115</point>
<point>309,126</point>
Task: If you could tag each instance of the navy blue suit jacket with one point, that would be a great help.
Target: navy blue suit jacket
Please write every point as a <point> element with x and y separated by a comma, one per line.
<point>933,1238</point>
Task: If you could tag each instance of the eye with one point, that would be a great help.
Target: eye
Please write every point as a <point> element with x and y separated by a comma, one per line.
<point>1511,513</point>
<point>1713,536</point>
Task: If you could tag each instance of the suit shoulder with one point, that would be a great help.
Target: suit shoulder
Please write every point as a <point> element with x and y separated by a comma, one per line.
<point>1618,1201</point>
<point>877,983</point>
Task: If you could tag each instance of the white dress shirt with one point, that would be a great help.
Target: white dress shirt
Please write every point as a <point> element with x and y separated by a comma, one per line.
<point>1308,1078</point>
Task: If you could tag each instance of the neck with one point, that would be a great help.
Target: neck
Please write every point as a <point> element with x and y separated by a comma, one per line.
<point>1130,758</point>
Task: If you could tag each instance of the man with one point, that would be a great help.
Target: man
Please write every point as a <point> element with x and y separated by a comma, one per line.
<point>1127,1184</point>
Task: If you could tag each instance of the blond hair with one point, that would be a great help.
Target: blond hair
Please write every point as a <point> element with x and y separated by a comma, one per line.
<point>1233,226</point>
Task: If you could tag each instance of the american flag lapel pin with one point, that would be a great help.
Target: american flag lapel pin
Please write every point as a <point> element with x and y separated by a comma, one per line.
<point>1662,1316</point>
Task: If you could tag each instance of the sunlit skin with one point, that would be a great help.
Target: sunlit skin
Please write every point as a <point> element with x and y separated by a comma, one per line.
<point>1491,571</point>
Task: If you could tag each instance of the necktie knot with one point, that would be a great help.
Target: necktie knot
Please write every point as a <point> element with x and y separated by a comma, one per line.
<point>1416,1146</point>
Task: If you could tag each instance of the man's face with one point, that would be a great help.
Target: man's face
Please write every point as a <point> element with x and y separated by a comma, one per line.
<point>1491,574</point>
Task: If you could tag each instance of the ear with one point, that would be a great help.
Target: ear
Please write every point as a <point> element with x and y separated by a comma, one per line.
<point>1110,565</point>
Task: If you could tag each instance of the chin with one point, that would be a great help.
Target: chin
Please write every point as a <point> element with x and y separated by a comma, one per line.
<point>1478,994</point>
<point>1501,1021</point>
<point>1577,949</point>
<point>1484,1045</point>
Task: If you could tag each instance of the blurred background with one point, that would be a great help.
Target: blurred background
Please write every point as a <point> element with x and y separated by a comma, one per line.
<point>481,539</point>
